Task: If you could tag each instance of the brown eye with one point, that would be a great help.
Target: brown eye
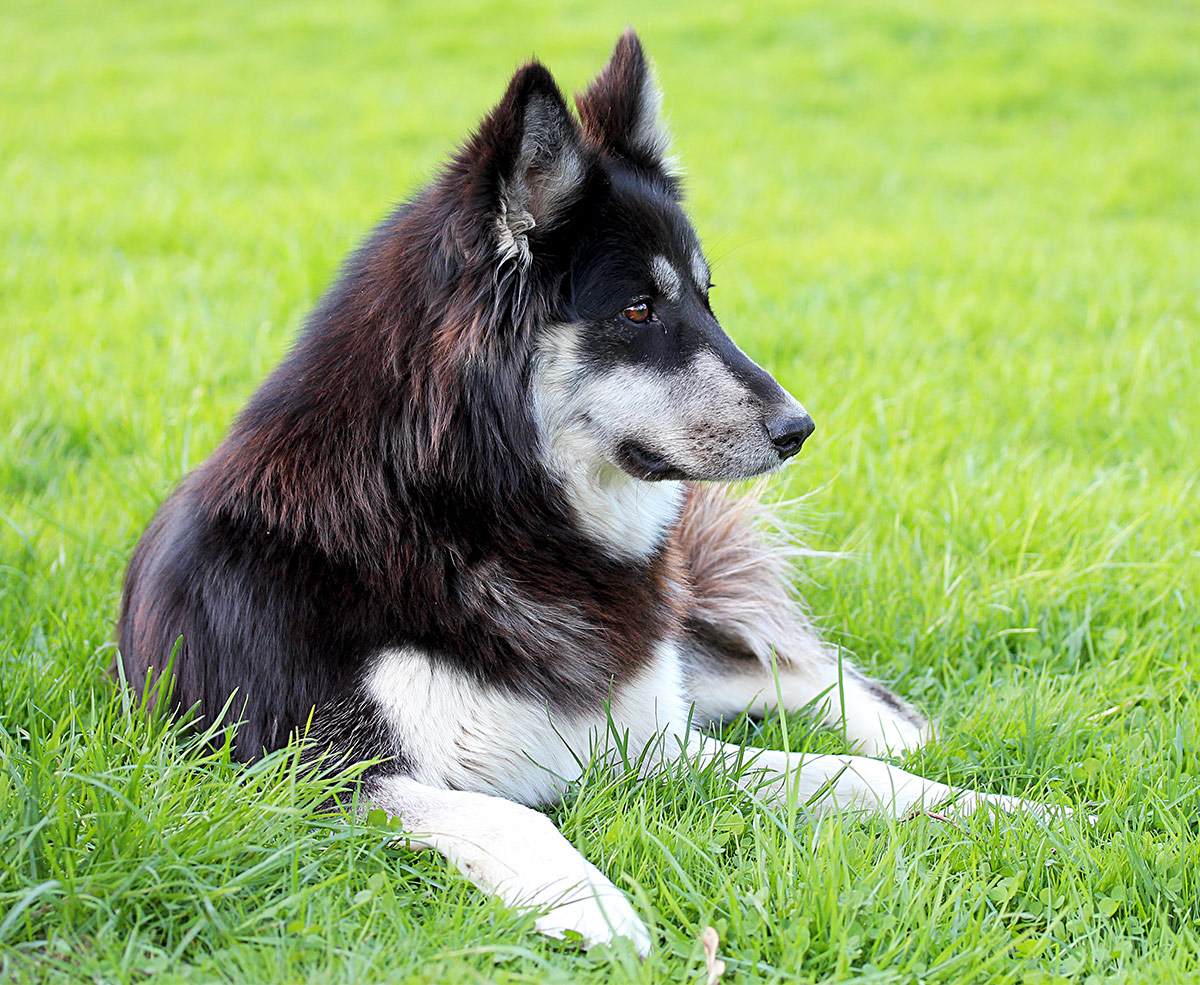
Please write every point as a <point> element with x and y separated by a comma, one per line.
<point>639,313</point>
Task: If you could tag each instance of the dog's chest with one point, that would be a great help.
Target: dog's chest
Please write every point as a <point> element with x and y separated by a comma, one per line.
<point>455,732</point>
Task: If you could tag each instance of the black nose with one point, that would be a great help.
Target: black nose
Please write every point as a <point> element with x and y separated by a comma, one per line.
<point>788,433</point>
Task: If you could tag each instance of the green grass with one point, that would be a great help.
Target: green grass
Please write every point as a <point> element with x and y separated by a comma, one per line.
<point>964,234</point>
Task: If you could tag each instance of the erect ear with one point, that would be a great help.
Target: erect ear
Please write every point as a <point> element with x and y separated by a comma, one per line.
<point>530,158</point>
<point>621,109</point>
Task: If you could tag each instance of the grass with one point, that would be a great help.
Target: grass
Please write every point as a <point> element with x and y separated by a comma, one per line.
<point>963,234</point>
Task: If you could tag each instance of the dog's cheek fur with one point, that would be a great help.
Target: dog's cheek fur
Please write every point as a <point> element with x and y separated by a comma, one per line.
<point>574,415</point>
<point>699,417</point>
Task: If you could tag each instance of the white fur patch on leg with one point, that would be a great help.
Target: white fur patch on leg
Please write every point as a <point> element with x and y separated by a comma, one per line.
<point>824,784</point>
<point>845,700</point>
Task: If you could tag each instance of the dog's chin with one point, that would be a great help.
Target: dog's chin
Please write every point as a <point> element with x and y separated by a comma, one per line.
<point>649,466</point>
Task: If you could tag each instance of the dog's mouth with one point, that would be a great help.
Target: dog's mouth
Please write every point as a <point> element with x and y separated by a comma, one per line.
<point>642,463</point>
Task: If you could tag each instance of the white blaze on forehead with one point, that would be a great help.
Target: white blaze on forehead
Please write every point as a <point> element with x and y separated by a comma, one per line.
<point>700,272</point>
<point>666,278</point>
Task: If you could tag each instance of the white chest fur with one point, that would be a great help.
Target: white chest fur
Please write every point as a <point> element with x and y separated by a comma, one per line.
<point>453,732</point>
<point>630,518</point>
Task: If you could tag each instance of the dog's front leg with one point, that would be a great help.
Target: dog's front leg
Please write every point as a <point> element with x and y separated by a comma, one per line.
<point>829,784</point>
<point>516,853</point>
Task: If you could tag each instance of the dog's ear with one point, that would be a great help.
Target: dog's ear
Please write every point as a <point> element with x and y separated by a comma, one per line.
<point>621,109</point>
<point>529,161</point>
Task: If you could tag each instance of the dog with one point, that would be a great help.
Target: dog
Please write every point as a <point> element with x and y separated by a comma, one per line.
<point>470,529</point>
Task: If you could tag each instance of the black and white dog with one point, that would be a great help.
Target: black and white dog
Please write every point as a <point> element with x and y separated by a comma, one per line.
<point>465,526</point>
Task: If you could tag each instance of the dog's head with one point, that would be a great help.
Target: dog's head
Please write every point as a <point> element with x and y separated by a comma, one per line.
<point>631,369</point>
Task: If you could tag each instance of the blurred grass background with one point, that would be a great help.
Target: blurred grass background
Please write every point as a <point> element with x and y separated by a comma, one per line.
<point>965,235</point>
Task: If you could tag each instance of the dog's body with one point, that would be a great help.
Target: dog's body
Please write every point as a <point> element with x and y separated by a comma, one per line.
<point>458,529</point>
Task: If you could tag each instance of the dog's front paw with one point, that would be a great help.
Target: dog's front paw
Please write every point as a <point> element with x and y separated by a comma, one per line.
<point>517,853</point>
<point>1046,813</point>
<point>548,876</point>
<point>598,913</point>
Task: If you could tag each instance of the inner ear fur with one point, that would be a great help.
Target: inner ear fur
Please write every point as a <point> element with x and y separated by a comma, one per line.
<point>621,110</point>
<point>532,153</point>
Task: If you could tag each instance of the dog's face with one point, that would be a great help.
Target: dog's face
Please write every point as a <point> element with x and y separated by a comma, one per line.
<point>652,382</point>
<point>634,372</point>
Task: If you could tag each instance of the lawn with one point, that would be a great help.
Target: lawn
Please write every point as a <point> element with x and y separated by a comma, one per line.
<point>967,236</point>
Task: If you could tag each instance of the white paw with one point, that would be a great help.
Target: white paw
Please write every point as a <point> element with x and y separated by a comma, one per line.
<point>1046,813</point>
<point>541,871</point>
<point>518,854</point>
<point>597,913</point>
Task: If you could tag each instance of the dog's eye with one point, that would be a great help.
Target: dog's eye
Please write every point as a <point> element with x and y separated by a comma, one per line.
<point>639,313</point>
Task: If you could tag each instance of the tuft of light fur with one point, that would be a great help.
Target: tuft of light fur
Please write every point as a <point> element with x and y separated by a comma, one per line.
<point>756,642</point>
<point>741,554</point>
<point>545,179</point>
